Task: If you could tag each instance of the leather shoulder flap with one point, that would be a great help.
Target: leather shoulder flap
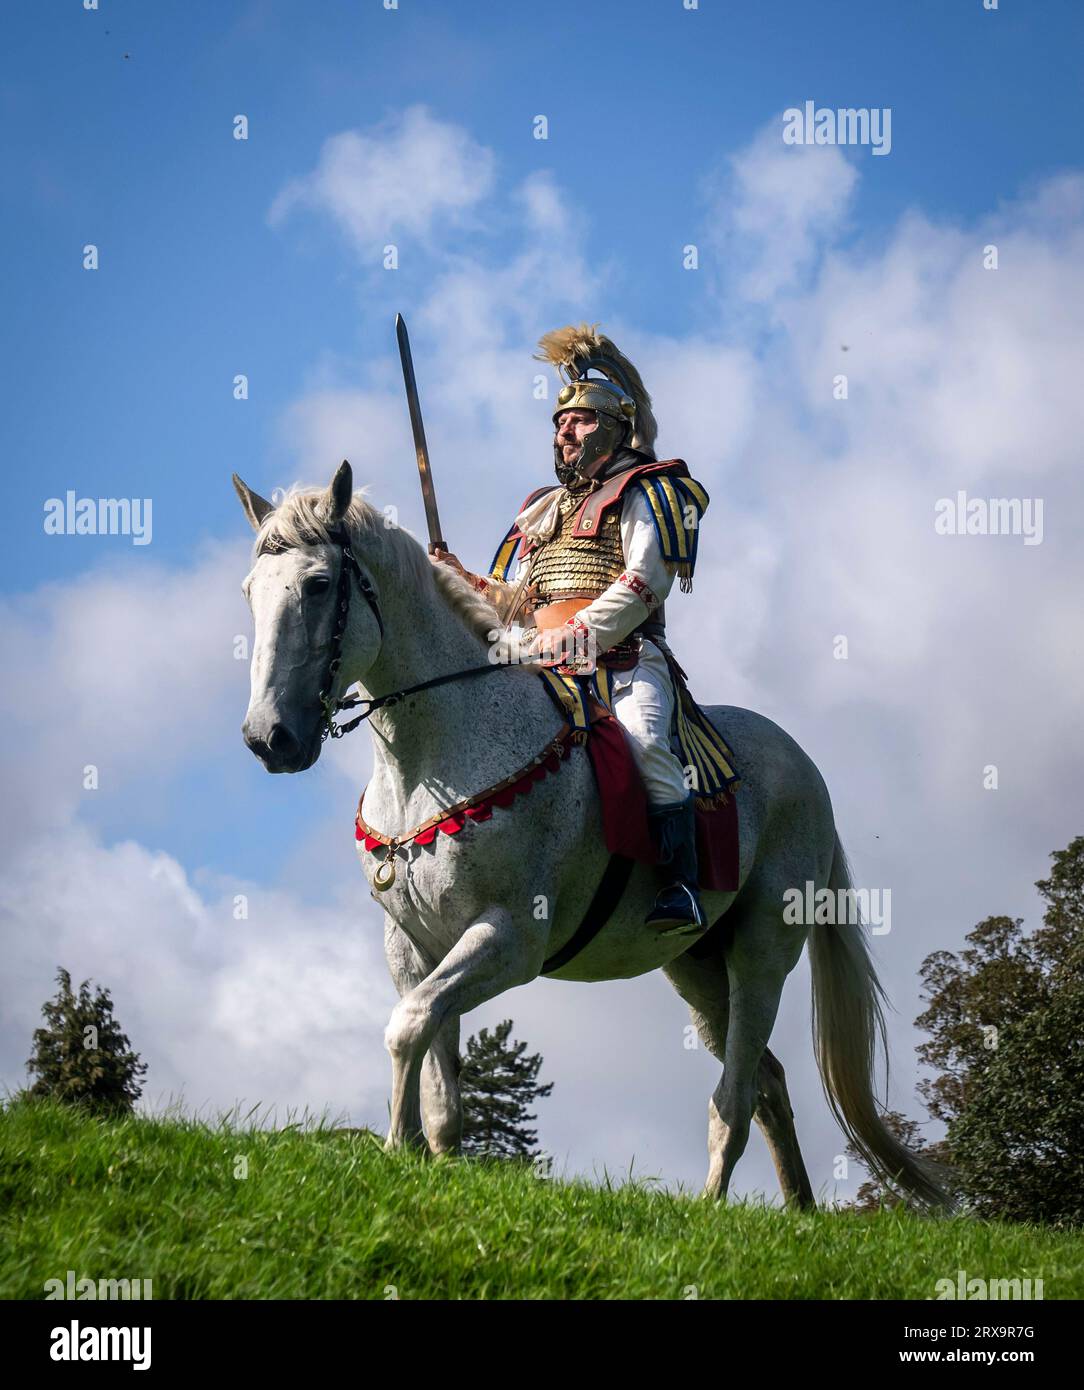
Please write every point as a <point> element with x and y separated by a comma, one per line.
<point>506,551</point>
<point>589,518</point>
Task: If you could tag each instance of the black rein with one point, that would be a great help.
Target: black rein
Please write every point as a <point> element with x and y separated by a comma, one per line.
<point>349,568</point>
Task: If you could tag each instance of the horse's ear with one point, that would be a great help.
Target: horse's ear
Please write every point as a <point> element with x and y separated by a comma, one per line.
<point>332,506</point>
<point>256,507</point>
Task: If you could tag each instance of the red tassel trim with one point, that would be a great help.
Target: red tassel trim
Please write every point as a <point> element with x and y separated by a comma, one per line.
<point>482,810</point>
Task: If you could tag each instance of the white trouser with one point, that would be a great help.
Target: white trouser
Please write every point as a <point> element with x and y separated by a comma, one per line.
<point>643,701</point>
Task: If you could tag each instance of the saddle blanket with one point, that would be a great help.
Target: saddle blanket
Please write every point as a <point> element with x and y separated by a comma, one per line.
<point>700,747</point>
<point>624,811</point>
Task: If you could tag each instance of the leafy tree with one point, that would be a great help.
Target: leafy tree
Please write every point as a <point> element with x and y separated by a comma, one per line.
<point>973,999</point>
<point>81,1056</point>
<point>1020,1140</point>
<point>498,1084</point>
<point>1006,1019</point>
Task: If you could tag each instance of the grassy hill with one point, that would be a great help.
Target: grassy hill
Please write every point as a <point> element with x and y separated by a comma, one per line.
<point>327,1214</point>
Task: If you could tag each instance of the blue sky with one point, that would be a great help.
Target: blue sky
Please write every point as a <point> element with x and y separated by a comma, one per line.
<point>119,383</point>
<point>124,375</point>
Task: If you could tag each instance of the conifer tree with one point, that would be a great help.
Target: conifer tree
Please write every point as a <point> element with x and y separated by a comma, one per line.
<point>81,1056</point>
<point>498,1084</point>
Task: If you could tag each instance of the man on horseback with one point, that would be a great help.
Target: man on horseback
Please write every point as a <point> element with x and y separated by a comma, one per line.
<point>597,556</point>
<point>461,924</point>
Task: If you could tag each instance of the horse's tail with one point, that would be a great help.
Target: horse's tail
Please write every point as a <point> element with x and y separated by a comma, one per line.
<point>847,1022</point>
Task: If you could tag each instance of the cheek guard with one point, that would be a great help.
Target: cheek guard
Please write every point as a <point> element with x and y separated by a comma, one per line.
<point>596,449</point>
<point>616,414</point>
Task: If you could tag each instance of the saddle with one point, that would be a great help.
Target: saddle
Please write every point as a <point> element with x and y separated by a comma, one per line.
<point>628,838</point>
<point>584,700</point>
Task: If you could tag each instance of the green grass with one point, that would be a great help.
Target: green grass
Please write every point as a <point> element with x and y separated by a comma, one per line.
<point>327,1214</point>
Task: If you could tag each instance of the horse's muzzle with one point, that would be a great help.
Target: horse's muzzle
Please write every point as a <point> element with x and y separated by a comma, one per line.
<point>279,749</point>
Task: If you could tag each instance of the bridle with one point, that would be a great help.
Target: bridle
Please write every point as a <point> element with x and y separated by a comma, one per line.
<point>349,569</point>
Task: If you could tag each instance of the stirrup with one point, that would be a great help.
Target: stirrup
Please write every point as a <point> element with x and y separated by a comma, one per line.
<point>677,911</point>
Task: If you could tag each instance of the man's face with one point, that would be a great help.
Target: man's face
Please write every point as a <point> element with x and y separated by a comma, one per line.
<point>572,427</point>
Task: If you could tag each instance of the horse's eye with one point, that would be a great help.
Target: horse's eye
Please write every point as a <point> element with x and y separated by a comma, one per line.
<point>318,584</point>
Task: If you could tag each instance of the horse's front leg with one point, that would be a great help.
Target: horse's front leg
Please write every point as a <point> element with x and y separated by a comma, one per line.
<point>439,1113</point>
<point>494,954</point>
<point>442,1108</point>
<point>408,966</point>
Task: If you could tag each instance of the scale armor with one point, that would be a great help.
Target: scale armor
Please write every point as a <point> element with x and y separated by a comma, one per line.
<point>568,566</point>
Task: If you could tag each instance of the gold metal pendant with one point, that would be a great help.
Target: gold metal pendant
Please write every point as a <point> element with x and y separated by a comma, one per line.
<point>385,875</point>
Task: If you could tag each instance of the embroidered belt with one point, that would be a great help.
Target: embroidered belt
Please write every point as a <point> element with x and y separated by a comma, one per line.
<point>622,656</point>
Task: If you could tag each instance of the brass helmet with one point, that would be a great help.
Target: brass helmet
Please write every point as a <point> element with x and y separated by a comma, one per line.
<point>618,397</point>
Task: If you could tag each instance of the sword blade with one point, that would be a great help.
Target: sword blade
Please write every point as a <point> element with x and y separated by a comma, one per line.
<point>429,496</point>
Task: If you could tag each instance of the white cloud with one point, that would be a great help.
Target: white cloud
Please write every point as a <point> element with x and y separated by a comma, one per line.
<point>472,337</point>
<point>775,209</point>
<point>285,1008</point>
<point>399,177</point>
<point>137,676</point>
<point>337,421</point>
<point>131,668</point>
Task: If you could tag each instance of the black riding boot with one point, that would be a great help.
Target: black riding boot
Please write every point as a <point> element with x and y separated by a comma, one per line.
<point>677,908</point>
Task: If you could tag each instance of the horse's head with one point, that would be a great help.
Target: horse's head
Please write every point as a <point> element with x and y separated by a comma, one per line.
<point>300,578</point>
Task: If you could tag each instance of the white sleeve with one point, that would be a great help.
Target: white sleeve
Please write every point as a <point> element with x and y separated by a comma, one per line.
<point>646,581</point>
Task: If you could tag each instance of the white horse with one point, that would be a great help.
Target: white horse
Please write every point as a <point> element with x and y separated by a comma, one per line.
<point>338,597</point>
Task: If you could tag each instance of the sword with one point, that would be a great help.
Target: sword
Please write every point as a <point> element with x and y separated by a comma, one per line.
<point>429,496</point>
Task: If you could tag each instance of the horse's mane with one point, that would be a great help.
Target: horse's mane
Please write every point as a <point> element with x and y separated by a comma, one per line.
<point>296,521</point>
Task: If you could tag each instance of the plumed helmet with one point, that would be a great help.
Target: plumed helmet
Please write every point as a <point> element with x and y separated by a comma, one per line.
<point>618,394</point>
